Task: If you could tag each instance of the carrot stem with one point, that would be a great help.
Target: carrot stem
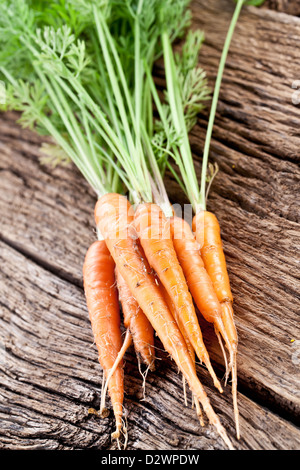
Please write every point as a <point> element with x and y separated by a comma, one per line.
<point>202,203</point>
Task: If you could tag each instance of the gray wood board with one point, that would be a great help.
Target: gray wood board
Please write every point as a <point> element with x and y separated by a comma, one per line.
<point>50,375</point>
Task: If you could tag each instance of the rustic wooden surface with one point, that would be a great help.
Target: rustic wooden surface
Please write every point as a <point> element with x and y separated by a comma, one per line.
<point>287,6</point>
<point>50,376</point>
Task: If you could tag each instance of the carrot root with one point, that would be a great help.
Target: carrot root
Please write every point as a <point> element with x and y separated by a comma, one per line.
<point>234,395</point>
<point>144,376</point>
<point>198,411</point>
<point>227,313</point>
<point>119,358</point>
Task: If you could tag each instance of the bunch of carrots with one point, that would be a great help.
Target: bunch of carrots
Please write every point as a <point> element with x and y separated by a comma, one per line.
<point>81,72</point>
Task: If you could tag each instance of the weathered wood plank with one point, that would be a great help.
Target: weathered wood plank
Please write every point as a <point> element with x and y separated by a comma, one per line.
<point>52,216</point>
<point>291,7</point>
<point>255,143</point>
<point>50,378</point>
<point>48,216</point>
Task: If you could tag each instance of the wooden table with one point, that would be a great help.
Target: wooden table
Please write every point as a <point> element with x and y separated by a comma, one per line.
<point>50,376</point>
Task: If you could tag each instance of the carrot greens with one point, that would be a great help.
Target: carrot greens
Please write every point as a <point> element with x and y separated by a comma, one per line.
<point>185,94</point>
<point>84,82</point>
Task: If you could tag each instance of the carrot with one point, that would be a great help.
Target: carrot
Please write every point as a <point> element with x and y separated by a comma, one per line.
<point>207,232</point>
<point>103,307</point>
<point>154,233</point>
<point>198,280</point>
<point>114,218</point>
<point>137,322</point>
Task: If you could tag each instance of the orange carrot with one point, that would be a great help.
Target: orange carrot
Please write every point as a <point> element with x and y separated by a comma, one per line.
<point>154,233</point>
<point>207,231</point>
<point>137,322</point>
<point>178,320</point>
<point>198,280</point>
<point>114,218</point>
<point>103,307</point>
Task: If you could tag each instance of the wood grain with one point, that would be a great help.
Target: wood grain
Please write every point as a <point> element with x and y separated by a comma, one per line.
<point>291,7</point>
<point>50,376</point>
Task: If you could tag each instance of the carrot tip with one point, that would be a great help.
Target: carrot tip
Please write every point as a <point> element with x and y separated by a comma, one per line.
<point>104,412</point>
<point>200,416</point>
<point>116,434</point>
<point>217,383</point>
<point>202,424</point>
<point>234,393</point>
<point>149,363</point>
<point>92,411</point>
<point>225,438</point>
